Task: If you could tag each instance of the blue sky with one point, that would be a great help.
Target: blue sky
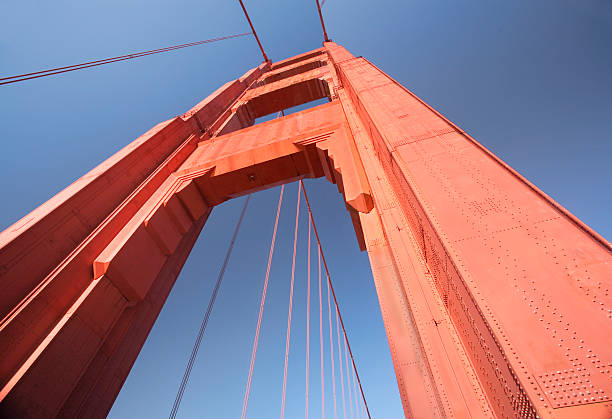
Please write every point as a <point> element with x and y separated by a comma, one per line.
<point>530,80</point>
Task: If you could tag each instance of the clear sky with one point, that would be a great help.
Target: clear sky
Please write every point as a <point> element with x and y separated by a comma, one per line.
<point>531,80</point>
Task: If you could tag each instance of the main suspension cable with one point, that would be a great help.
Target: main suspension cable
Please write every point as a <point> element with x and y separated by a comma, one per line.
<point>297,218</point>
<point>265,57</point>
<point>261,308</point>
<point>322,23</point>
<point>348,380</point>
<point>196,346</point>
<point>314,226</point>
<point>357,404</point>
<point>81,66</point>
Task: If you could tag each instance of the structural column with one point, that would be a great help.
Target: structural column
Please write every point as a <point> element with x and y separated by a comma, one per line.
<point>68,337</point>
<point>496,300</point>
<point>507,292</point>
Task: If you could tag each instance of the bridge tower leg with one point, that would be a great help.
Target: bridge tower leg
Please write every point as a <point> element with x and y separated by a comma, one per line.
<point>495,299</point>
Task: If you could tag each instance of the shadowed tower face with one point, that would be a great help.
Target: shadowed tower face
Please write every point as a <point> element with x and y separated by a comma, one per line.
<point>496,301</point>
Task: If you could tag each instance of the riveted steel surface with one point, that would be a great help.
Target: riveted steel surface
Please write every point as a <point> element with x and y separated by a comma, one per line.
<point>524,282</point>
<point>496,301</point>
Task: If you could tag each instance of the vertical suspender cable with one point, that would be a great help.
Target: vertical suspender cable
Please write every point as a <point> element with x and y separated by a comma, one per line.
<point>340,363</point>
<point>331,349</point>
<point>297,217</point>
<point>196,346</point>
<point>321,340</point>
<point>261,307</point>
<point>348,346</point>
<point>308,321</point>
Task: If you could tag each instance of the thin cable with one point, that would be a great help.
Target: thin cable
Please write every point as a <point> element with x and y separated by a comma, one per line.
<point>297,218</point>
<point>74,67</point>
<point>265,57</point>
<point>354,393</point>
<point>261,307</point>
<point>196,346</point>
<point>136,54</point>
<point>331,348</point>
<point>340,362</point>
<point>322,23</point>
<point>314,227</point>
<point>308,322</point>
<point>321,341</point>
<point>357,404</point>
<point>349,389</point>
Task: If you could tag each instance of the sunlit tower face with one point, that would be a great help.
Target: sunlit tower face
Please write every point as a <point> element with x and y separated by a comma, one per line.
<point>466,254</point>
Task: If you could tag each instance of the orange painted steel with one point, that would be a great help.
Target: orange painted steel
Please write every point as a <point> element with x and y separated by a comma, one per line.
<point>265,57</point>
<point>325,37</point>
<point>496,300</point>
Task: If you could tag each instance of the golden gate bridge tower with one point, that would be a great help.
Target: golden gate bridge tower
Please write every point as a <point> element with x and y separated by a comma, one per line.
<point>495,299</point>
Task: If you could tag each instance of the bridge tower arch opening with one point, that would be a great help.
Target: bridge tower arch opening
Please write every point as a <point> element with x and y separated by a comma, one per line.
<point>484,282</point>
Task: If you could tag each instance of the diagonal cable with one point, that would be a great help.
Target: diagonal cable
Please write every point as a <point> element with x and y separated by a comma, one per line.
<point>81,66</point>
<point>348,346</point>
<point>297,218</point>
<point>196,346</point>
<point>265,57</point>
<point>247,391</point>
<point>325,37</point>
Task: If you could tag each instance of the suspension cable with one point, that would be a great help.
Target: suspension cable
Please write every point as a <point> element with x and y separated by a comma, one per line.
<point>340,363</point>
<point>74,67</point>
<point>348,380</point>
<point>331,347</point>
<point>297,217</point>
<point>308,321</point>
<point>196,346</point>
<point>314,226</point>
<point>261,308</point>
<point>322,23</point>
<point>321,341</point>
<point>265,57</point>
<point>357,404</point>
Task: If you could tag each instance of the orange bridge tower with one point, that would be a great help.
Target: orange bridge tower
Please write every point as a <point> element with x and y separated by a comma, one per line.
<point>495,299</point>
